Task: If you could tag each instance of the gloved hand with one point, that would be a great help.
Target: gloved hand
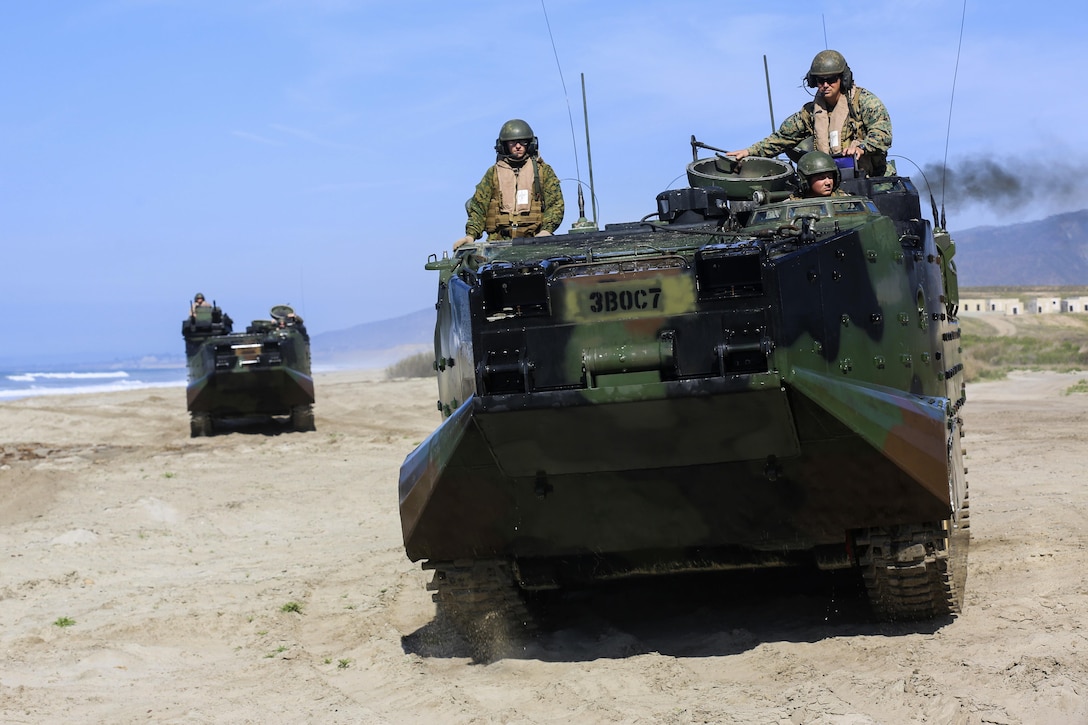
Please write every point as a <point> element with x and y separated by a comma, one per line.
<point>467,239</point>
<point>543,233</point>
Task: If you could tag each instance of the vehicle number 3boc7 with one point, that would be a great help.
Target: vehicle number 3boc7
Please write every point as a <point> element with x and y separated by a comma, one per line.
<point>624,300</point>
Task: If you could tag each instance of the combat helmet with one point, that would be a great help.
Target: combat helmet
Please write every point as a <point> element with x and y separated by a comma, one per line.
<point>817,162</point>
<point>830,63</point>
<point>513,130</point>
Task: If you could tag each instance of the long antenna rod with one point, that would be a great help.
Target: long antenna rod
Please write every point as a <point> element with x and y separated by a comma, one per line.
<point>589,154</point>
<point>770,103</point>
<point>948,131</point>
<point>302,290</point>
<point>577,171</point>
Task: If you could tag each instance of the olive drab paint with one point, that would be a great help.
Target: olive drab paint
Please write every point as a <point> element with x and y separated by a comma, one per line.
<point>747,381</point>
<point>264,371</point>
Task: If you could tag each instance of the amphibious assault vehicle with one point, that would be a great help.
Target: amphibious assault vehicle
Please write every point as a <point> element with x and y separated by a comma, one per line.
<point>264,371</point>
<point>742,379</point>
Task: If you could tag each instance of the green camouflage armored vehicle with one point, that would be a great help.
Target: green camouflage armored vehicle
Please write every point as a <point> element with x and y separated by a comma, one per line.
<point>264,371</point>
<point>743,379</point>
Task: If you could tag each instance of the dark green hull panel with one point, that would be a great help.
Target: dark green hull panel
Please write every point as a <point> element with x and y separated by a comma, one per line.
<point>694,466</point>
<point>273,391</point>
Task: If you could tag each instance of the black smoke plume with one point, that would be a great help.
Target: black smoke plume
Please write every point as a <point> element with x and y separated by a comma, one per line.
<point>1009,184</point>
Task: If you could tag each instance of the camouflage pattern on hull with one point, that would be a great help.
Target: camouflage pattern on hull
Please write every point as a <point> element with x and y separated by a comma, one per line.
<point>268,387</point>
<point>264,371</point>
<point>767,385</point>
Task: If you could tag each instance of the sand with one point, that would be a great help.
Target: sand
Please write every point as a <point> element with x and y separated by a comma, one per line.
<point>259,576</point>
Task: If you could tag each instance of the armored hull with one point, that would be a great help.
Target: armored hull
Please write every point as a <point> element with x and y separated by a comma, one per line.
<point>734,385</point>
<point>264,371</point>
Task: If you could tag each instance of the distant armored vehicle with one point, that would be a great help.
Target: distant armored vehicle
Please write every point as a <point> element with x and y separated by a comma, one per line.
<point>743,379</point>
<point>264,371</point>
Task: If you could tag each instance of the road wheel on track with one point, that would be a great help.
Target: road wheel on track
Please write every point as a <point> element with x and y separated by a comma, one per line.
<point>915,572</point>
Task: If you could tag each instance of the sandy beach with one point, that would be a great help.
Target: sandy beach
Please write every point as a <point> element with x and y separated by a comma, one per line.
<point>259,576</point>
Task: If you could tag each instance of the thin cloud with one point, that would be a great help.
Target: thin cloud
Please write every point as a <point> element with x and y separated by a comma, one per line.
<point>245,135</point>
<point>313,138</point>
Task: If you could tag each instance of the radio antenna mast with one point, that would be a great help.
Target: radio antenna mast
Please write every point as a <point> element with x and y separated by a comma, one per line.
<point>770,103</point>
<point>948,131</point>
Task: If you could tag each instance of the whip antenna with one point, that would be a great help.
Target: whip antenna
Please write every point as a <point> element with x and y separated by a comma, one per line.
<point>589,158</point>
<point>582,224</point>
<point>770,103</point>
<point>570,116</point>
<point>948,131</point>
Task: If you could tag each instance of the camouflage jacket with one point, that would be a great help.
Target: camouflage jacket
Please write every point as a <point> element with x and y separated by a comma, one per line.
<point>551,207</point>
<point>868,122</point>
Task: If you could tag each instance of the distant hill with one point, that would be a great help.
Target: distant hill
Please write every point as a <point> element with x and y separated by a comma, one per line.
<point>375,344</point>
<point>1052,251</point>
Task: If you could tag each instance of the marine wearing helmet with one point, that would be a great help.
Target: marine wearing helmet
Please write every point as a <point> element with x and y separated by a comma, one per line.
<point>519,196</point>
<point>858,126</point>
<point>516,130</point>
<point>826,64</point>
<point>197,303</point>
<point>820,176</point>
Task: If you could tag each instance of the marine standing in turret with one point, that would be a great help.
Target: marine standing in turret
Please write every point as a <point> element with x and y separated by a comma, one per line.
<point>858,127</point>
<point>198,302</point>
<point>517,197</point>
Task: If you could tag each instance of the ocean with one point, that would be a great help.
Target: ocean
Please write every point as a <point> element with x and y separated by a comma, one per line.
<point>26,383</point>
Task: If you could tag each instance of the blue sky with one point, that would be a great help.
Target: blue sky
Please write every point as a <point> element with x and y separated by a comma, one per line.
<point>316,152</point>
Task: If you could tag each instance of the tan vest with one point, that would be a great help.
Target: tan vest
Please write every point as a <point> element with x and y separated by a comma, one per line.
<point>515,210</point>
<point>829,128</point>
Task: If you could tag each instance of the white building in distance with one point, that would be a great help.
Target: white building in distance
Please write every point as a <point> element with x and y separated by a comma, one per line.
<point>992,305</point>
<point>1075,304</point>
<point>1044,305</point>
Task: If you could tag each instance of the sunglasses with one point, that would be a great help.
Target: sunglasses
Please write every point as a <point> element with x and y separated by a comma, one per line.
<point>820,80</point>
<point>523,142</point>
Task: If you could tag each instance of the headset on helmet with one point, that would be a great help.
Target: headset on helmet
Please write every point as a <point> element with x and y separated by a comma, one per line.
<point>830,63</point>
<point>817,162</point>
<point>513,130</point>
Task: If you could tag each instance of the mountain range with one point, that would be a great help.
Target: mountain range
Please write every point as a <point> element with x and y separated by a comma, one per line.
<point>375,344</point>
<point>1049,252</point>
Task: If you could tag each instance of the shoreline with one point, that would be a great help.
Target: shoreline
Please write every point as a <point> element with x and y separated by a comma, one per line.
<point>51,384</point>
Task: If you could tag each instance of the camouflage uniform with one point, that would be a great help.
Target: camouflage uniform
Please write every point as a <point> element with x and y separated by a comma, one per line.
<point>868,122</point>
<point>551,205</point>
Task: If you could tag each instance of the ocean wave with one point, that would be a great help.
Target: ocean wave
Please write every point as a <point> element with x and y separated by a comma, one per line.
<point>115,387</point>
<point>32,377</point>
<point>32,383</point>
